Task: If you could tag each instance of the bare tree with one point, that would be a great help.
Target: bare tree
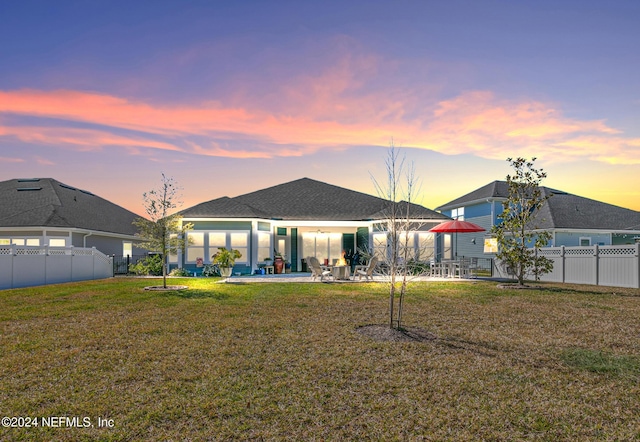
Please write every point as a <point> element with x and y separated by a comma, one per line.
<point>162,232</point>
<point>399,256</point>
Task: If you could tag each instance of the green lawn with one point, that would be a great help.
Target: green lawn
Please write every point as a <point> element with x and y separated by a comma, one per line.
<point>284,361</point>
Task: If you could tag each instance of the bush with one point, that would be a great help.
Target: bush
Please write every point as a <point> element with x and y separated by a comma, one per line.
<point>179,272</point>
<point>211,270</point>
<point>151,265</point>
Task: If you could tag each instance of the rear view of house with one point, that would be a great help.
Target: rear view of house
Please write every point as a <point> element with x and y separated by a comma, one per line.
<point>297,219</point>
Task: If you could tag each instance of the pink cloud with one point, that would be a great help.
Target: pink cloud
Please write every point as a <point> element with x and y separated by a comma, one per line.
<point>330,110</point>
<point>11,160</point>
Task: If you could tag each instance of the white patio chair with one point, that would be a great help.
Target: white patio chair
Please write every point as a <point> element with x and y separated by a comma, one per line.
<point>317,270</point>
<point>366,271</point>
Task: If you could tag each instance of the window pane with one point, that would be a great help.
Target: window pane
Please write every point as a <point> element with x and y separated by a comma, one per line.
<point>243,251</point>
<point>217,239</point>
<point>196,239</point>
<point>17,241</point>
<point>33,241</point>
<point>4,241</point>
<point>59,242</point>
<point>335,246</point>
<point>308,244</point>
<point>322,247</point>
<point>126,248</point>
<point>194,252</point>
<point>239,240</point>
<point>264,239</point>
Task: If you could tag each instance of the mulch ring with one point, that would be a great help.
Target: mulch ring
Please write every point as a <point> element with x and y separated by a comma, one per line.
<point>516,286</point>
<point>387,334</point>
<point>169,288</point>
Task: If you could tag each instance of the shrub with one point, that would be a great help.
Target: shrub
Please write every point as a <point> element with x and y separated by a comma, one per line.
<point>179,272</point>
<point>211,270</point>
<point>151,265</point>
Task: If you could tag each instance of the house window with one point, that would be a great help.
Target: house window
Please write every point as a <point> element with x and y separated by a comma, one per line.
<point>240,242</point>
<point>458,213</point>
<point>206,244</point>
<point>25,241</point>
<point>173,254</point>
<point>127,249</point>
<point>5,241</point>
<point>447,252</point>
<point>57,242</point>
<point>380,245</point>
<point>217,240</point>
<point>264,246</point>
<point>585,241</point>
<point>195,246</point>
<point>322,245</point>
<point>407,245</point>
<point>426,246</point>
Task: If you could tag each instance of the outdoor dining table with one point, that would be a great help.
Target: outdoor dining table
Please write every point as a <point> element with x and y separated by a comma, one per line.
<point>454,268</point>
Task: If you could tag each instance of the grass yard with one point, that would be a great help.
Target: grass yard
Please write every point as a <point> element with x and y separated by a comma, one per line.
<point>285,362</point>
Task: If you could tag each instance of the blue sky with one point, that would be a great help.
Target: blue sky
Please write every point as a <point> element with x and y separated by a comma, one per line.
<point>230,97</point>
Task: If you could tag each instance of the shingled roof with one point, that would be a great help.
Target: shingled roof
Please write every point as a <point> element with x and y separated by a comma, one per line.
<point>562,211</point>
<point>303,199</point>
<point>45,202</point>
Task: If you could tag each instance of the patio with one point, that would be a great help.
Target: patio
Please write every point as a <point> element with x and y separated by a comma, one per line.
<point>306,278</point>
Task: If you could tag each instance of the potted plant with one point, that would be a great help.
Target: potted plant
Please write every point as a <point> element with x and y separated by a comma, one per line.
<point>226,260</point>
<point>278,262</point>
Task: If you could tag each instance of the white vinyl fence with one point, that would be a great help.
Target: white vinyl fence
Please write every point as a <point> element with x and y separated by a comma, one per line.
<point>25,266</point>
<point>616,266</point>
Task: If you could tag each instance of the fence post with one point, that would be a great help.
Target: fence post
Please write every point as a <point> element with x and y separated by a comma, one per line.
<point>638,265</point>
<point>596,256</point>
<point>93,260</point>
<point>562,263</point>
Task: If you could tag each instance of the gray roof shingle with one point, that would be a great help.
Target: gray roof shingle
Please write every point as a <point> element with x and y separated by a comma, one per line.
<point>562,211</point>
<point>45,202</point>
<point>302,199</point>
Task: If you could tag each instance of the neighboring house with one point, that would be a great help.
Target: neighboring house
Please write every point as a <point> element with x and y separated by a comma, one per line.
<point>297,219</point>
<point>46,212</point>
<point>573,220</point>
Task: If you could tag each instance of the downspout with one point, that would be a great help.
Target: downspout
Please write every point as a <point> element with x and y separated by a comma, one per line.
<point>84,239</point>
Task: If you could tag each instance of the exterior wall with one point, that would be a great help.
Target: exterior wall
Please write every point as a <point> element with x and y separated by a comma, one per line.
<point>471,245</point>
<point>107,245</point>
<point>572,239</point>
<point>465,241</point>
<point>226,227</point>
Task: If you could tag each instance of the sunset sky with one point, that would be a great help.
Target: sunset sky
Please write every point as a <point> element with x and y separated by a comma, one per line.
<point>228,97</point>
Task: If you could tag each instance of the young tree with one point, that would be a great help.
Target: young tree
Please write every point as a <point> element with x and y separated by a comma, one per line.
<point>162,232</point>
<point>398,258</point>
<point>517,234</point>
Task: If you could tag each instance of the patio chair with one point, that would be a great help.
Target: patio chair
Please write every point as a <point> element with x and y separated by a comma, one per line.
<point>473,268</point>
<point>366,271</point>
<point>316,269</point>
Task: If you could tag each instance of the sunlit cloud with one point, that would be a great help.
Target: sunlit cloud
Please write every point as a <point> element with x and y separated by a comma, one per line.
<point>11,160</point>
<point>333,109</point>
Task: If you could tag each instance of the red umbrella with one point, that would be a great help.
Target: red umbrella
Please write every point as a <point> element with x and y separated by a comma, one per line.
<point>457,226</point>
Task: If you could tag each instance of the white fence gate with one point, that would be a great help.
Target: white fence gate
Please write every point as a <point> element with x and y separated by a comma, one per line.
<point>616,266</point>
<point>25,266</point>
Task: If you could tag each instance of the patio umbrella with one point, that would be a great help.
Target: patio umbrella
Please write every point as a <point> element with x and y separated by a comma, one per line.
<point>457,226</point>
